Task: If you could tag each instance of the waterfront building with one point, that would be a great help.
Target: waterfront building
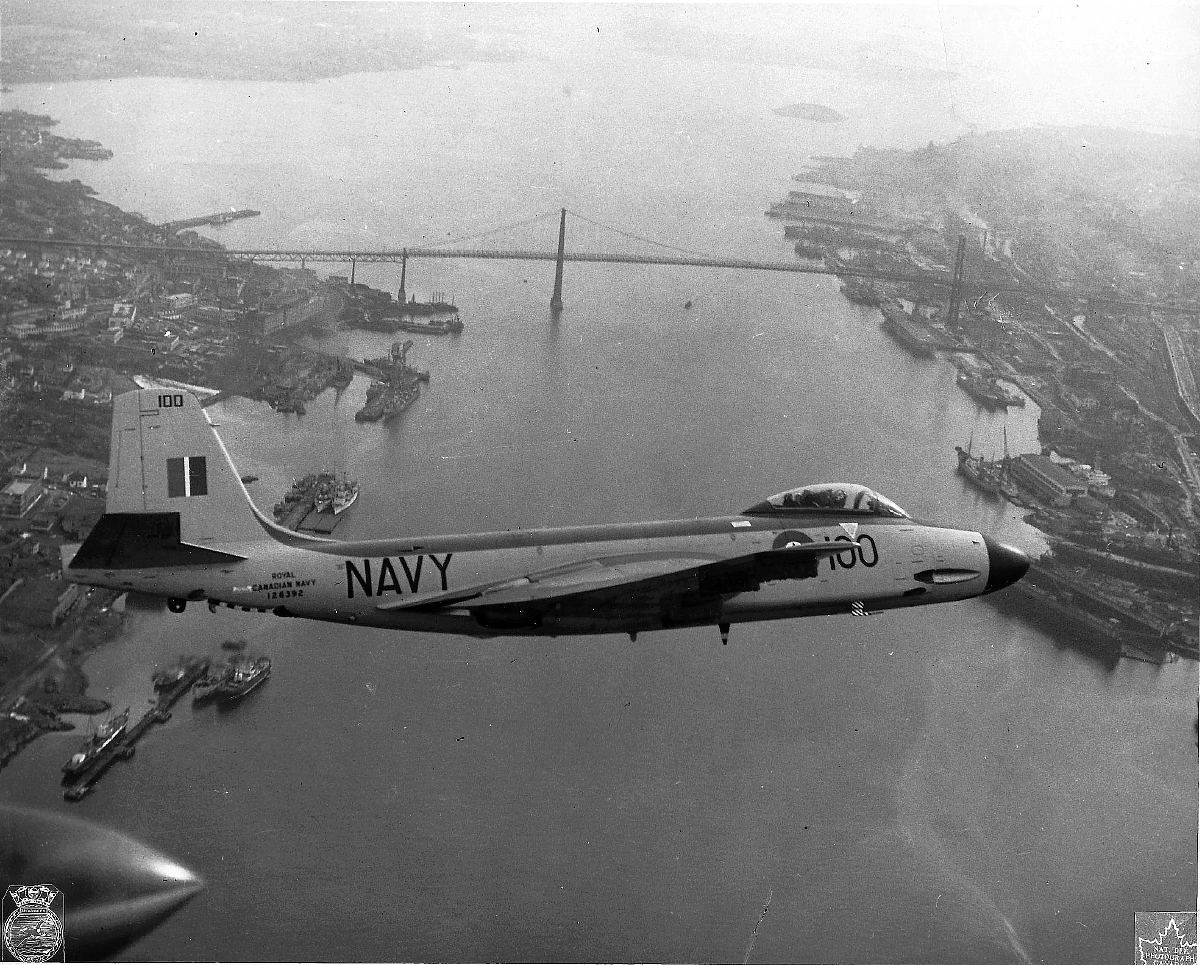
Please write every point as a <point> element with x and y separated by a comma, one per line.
<point>1039,474</point>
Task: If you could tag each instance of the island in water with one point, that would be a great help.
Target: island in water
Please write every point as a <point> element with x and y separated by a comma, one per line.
<point>810,112</point>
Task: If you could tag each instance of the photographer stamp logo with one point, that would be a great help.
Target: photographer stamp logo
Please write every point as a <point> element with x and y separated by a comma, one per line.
<point>1165,938</point>
<point>33,924</point>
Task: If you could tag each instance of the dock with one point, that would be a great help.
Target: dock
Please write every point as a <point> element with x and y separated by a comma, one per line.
<point>123,749</point>
<point>216,220</point>
<point>304,516</point>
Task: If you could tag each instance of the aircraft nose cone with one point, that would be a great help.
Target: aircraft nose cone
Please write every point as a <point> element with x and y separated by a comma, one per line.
<point>1006,565</point>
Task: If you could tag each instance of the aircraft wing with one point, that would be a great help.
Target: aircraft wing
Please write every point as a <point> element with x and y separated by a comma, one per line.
<point>641,579</point>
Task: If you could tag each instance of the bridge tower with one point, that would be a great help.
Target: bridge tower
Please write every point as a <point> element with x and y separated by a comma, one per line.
<point>556,302</point>
<point>403,268</point>
<point>956,290</point>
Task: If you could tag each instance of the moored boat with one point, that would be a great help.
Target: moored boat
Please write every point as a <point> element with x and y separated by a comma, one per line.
<point>902,327</point>
<point>94,746</point>
<point>987,391</point>
<point>244,676</point>
<point>982,475</point>
<point>344,496</point>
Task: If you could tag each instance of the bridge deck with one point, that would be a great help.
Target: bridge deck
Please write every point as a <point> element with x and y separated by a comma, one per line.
<point>330,256</point>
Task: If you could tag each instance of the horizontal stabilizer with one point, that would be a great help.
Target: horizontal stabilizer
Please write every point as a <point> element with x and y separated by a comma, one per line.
<point>123,541</point>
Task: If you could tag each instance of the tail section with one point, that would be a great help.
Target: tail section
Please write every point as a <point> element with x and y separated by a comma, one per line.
<point>174,497</point>
<point>165,458</point>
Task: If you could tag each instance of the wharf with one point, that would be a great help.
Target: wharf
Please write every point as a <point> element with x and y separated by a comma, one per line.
<point>1088,632</point>
<point>304,516</point>
<point>376,369</point>
<point>220,218</point>
<point>123,749</point>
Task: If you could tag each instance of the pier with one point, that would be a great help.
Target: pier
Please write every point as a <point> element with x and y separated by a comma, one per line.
<point>122,750</point>
<point>217,219</point>
<point>304,516</point>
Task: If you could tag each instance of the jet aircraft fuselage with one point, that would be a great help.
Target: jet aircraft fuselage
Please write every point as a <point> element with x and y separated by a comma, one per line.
<point>180,525</point>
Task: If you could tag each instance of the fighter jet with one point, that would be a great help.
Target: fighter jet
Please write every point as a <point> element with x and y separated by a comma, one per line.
<point>179,524</point>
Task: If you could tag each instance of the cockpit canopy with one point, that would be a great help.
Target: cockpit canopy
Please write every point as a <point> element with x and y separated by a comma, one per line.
<point>830,497</point>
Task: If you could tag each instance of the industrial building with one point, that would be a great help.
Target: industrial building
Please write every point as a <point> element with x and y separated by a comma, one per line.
<point>1048,480</point>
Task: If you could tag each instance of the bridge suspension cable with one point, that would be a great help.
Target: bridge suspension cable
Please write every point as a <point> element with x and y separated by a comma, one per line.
<point>492,231</point>
<point>637,237</point>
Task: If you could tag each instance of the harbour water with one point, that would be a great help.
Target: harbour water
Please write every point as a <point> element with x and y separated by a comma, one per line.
<point>943,784</point>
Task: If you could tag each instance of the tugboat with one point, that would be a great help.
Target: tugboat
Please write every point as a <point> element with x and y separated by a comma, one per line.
<point>243,677</point>
<point>95,745</point>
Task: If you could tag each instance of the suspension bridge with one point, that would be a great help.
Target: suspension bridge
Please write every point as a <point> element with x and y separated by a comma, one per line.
<point>663,253</point>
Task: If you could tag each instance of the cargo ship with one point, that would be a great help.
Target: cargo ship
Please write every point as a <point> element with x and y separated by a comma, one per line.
<point>97,744</point>
<point>243,677</point>
<point>987,391</point>
<point>983,475</point>
<point>902,328</point>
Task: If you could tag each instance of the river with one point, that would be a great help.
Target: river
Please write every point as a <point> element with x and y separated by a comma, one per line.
<point>943,784</point>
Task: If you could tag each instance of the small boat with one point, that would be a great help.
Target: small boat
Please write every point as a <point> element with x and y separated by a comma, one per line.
<point>688,303</point>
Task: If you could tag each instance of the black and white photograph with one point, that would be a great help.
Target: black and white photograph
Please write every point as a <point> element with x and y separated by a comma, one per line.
<point>603,482</point>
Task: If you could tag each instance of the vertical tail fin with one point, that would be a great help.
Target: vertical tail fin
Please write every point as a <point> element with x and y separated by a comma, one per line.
<point>165,457</point>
